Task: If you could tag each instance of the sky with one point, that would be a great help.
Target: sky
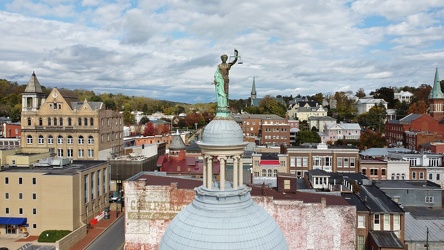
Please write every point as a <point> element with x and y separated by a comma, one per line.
<point>169,49</point>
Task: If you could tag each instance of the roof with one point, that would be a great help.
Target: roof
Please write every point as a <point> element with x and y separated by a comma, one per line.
<point>406,184</point>
<point>371,101</point>
<point>74,168</point>
<point>33,85</point>
<point>377,200</point>
<point>177,143</point>
<point>386,239</point>
<point>410,118</point>
<point>436,92</point>
<point>260,116</point>
<point>416,229</point>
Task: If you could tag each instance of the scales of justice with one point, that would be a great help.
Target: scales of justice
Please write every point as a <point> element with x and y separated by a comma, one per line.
<point>221,82</point>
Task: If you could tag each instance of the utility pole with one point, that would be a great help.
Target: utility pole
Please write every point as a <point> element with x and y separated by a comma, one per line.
<point>426,245</point>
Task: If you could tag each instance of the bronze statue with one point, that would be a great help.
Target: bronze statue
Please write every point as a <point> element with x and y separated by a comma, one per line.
<point>221,79</point>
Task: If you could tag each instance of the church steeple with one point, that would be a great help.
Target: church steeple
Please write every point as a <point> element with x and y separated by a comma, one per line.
<point>436,90</point>
<point>436,99</point>
<point>253,88</point>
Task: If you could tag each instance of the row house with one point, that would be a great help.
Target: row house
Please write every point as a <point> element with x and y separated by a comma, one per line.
<point>380,220</point>
<point>341,131</point>
<point>265,129</point>
<point>415,139</point>
<point>385,169</point>
<point>269,164</point>
<point>328,158</point>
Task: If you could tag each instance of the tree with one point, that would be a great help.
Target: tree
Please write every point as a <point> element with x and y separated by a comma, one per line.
<point>319,98</point>
<point>371,139</point>
<point>193,118</point>
<point>149,130</point>
<point>360,93</point>
<point>402,109</point>
<point>128,118</point>
<point>388,94</point>
<point>345,107</point>
<point>307,136</point>
<point>419,107</point>
<point>376,117</point>
<point>144,120</point>
<point>269,105</point>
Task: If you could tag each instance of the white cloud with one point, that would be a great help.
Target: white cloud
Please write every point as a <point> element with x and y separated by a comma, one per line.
<point>168,49</point>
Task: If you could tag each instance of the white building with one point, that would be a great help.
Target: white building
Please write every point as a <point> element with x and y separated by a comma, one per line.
<point>404,96</point>
<point>364,105</point>
<point>341,131</point>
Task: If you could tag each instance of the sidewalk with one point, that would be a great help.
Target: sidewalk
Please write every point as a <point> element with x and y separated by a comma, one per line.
<point>97,230</point>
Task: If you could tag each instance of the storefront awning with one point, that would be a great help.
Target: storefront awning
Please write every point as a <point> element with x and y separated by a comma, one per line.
<point>12,221</point>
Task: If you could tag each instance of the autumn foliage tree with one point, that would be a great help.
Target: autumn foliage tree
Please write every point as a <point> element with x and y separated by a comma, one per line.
<point>149,130</point>
<point>372,139</point>
<point>419,107</point>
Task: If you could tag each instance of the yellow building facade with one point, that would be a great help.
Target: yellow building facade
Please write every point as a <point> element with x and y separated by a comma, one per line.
<point>69,128</point>
<point>52,198</point>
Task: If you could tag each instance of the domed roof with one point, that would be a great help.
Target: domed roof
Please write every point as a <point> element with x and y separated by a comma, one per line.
<point>223,220</point>
<point>223,132</point>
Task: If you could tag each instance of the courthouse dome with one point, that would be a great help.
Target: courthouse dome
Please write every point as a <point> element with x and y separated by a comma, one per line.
<point>223,220</point>
<point>222,132</point>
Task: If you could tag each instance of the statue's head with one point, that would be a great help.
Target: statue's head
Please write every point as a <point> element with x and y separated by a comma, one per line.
<point>224,58</point>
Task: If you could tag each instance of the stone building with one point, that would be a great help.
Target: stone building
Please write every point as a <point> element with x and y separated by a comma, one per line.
<point>69,128</point>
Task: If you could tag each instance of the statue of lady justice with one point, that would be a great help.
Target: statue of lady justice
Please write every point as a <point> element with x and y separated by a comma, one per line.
<point>221,79</point>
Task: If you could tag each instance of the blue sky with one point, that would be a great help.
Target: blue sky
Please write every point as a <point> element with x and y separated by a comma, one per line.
<point>169,49</point>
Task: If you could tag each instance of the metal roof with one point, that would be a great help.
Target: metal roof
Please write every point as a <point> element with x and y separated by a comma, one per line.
<point>386,239</point>
<point>416,229</point>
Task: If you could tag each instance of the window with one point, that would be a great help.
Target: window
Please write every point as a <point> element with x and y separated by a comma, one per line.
<point>352,162</point>
<point>339,159</point>
<point>90,153</point>
<point>287,184</point>
<point>364,171</point>
<point>60,139</point>
<point>60,152</point>
<point>80,153</point>
<point>90,140</point>
<point>55,121</point>
<point>85,122</point>
<point>376,219</point>
<point>373,171</point>
<point>430,176</point>
<point>91,121</point>
<point>69,152</point>
<point>264,172</point>
<point>69,121</point>
<point>421,175</point>
<point>361,221</point>
<point>414,175</point>
<point>304,161</point>
<point>40,122</point>
<point>6,196</point>
<point>20,180</point>
<point>34,225</point>
<point>85,188</point>
<point>20,210</point>
<point>92,186</point>
<point>49,121</point>
<point>98,183</point>
<point>61,121</point>
<point>346,165</point>
<point>34,196</point>
<point>361,241</point>
<point>34,181</point>
<point>6,180</point>
<point>70,140</point>
<point>429,199</point>
<point>79,122</point>
<point>20,196</point>
<point>34,211</point>
<point>275,172</point>
<point>7,210</point>
<point>298,162</point>
<point>386,222</point>
<point>103,181</point>
<point>438,177</point>
<point>270,173</point>
<point>383,172</point>
<point>327,161</point>
<point>41,139</point>
<point>50,139</point>
<point>29,121</point>
<point>81,140</point>
<point>29,139</point>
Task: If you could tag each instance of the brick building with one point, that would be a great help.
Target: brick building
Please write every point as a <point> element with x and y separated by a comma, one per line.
<point>265,129</point>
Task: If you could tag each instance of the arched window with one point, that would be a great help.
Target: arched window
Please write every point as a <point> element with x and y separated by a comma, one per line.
<point>393,176</point>
<point>403,177</point>
<point>60,139</point>
<point>85,121</point>
<point>61,121</point>
<point>50,139</point>
<point>40,121</point>
<point>91,121</point>
<point>69,122</point>
<point>29,121</point>
<point>264,172</point>
<point>55,121</point>
<point>275,172</point>
<point>81,140</point>
<point>79,122</point>
<point>29,139</point>
<point>270,173</point>
<point>397,176</point>
<point>90,140</point>
<point>41,139</point>
<point>49,121</point>
<point>70,140</point>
